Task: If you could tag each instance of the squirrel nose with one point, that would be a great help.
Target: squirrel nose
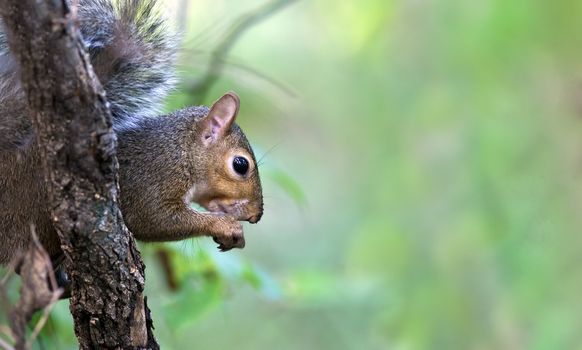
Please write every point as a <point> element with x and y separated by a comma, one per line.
<point>255,219</point>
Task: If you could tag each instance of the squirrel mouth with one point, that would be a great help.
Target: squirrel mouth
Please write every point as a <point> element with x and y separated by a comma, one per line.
<point>199,208</point>
<point>216,207</point>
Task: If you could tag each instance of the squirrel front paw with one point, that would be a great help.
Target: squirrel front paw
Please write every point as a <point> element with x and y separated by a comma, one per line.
<point>230,235</point>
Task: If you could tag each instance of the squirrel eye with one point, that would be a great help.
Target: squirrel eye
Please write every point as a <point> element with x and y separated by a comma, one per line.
<point>240,165</point>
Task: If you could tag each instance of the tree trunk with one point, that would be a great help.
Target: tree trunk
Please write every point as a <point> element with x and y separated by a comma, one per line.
<point>78,149</point>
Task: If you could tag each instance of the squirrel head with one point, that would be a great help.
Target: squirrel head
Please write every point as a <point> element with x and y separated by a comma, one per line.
<point>231,182</point>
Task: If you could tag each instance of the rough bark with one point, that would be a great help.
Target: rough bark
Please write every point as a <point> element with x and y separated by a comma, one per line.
<point>73,130</point>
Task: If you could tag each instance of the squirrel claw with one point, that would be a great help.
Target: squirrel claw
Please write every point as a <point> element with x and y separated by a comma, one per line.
<point>227,243</point>
<point>230,236</point>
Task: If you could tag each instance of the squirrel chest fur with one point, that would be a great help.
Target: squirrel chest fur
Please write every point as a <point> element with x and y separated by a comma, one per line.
<point>166,163</point>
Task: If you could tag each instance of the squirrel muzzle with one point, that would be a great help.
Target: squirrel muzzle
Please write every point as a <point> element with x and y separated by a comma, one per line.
<point>242,210</point>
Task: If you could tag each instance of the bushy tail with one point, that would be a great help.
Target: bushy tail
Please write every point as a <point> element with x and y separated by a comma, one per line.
<point>132,52</point>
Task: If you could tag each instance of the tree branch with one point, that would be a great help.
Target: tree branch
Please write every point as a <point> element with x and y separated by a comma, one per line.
<point>77,147</point>
<point>200,87</point>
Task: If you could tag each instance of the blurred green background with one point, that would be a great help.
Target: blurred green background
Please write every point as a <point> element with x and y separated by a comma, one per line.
<point>422,167</point>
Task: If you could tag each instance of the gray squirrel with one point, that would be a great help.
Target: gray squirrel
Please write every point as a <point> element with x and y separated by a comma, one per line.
<point>166,163</point>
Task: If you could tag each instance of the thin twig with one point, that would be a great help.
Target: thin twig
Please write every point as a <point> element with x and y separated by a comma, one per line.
<point>201,87</point>
<point>10,269</point>
<point>53,286</point>
<point>7,332</point>
<point>45,315</point>
<point>5,346</point>
<point>6,307</point>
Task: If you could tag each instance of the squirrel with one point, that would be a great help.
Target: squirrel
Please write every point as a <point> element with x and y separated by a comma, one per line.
<point>166,163</point>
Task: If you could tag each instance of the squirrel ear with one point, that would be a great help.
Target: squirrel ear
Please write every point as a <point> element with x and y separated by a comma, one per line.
<point>220,118</point>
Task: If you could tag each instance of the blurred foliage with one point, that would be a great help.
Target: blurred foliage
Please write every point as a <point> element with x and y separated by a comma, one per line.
<point>424,191</point>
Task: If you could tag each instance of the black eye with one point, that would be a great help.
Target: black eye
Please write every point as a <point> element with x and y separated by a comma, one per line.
<point>240,165</point>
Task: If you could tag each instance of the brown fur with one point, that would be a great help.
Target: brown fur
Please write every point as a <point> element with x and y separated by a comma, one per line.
<point>165,162</point>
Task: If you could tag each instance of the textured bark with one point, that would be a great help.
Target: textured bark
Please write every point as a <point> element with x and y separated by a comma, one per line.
<point>73,131</point>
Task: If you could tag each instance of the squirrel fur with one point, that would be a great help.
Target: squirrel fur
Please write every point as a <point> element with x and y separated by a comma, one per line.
<point>166,163</point>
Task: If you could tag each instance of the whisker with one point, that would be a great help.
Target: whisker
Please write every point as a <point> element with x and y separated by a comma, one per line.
<point>259,162</point>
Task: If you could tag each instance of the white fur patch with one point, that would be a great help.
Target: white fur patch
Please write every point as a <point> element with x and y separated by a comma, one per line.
<point>189,200</point>
<point>189,196</point>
